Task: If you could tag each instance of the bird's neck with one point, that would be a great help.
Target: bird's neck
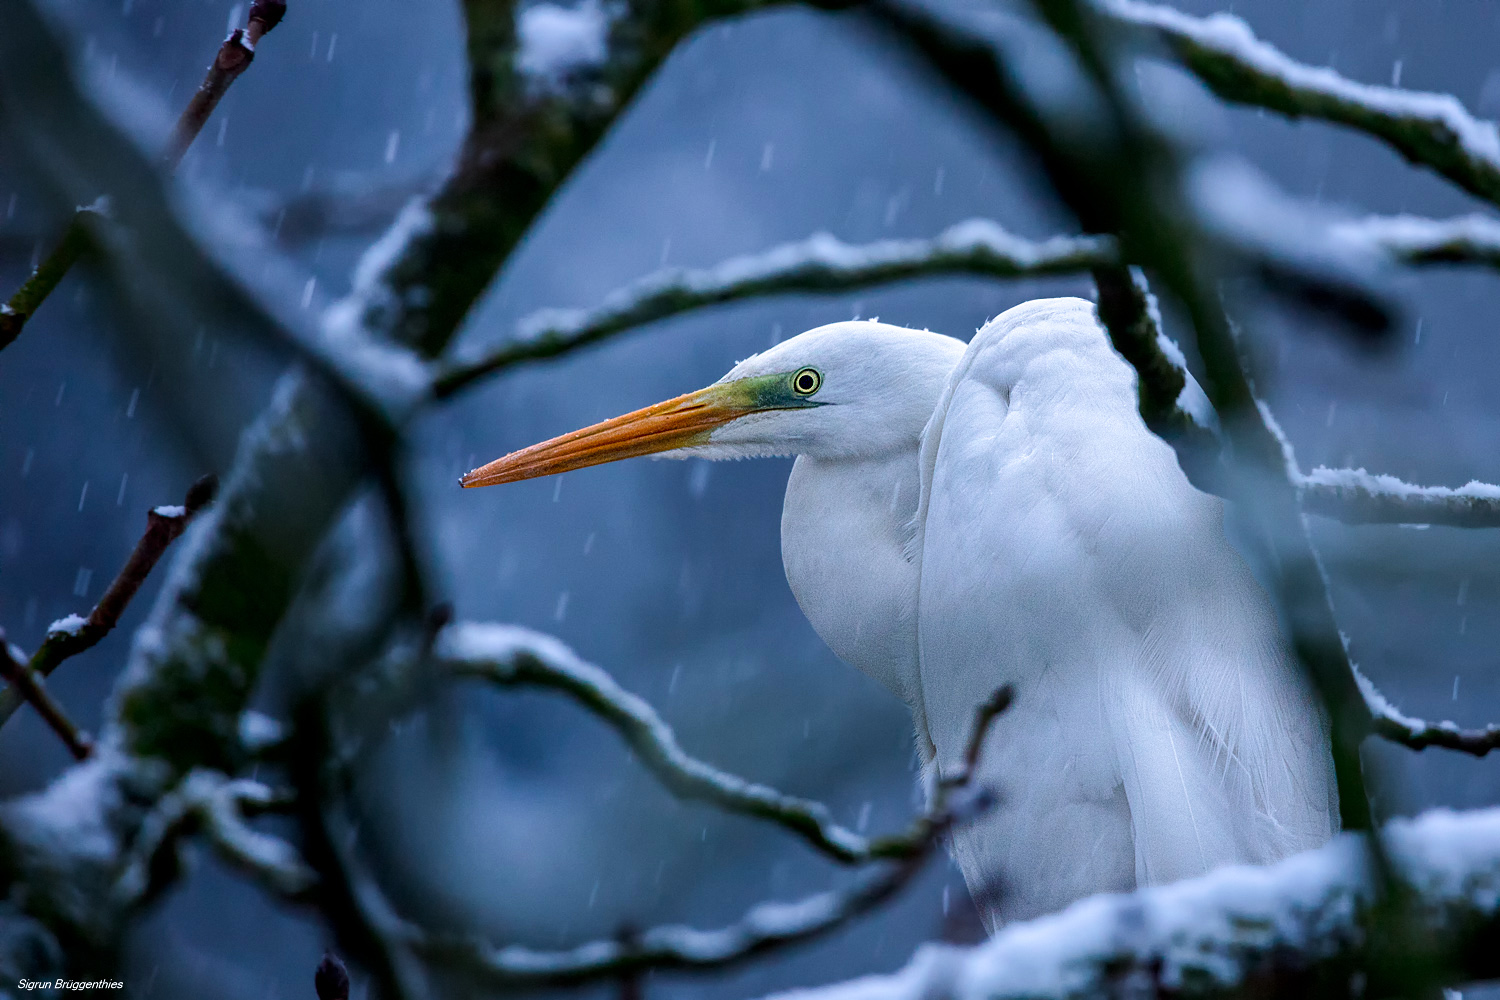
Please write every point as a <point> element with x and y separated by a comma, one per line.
<point>844,530</point>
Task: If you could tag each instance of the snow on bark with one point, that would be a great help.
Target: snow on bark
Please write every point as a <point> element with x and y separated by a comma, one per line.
<point>1395,725</point>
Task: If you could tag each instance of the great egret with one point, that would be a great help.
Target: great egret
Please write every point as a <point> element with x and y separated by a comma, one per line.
<point>962,517</point>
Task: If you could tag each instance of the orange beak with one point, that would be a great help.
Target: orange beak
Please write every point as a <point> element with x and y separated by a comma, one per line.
<point>676,423</point>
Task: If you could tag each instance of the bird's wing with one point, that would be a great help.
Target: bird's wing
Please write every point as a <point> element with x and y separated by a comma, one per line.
<point>1159,727</point>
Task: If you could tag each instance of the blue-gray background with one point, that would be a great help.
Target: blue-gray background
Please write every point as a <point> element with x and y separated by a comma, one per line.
<point>519,815</point>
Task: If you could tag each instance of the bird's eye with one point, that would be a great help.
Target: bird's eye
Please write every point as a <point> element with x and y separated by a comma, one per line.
<point>806,382</point>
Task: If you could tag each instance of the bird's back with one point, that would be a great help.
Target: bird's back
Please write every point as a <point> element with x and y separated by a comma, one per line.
<point>1161,728</point>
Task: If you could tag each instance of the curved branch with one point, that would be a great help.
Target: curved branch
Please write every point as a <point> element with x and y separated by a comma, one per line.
<point>517,657</point>
<point>1433,130</point>
<point>820,263</point>
<point>1308,926</point>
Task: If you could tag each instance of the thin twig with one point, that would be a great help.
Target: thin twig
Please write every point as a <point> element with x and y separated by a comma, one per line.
<point>1432,130</point>
<point>818,264</point>
<point>232,59</point>
<point>27,686</point>
<point>515,657</point>
<point>72,635</point>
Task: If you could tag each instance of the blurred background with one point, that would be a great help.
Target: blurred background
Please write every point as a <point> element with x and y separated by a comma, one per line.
<point>518,815</point>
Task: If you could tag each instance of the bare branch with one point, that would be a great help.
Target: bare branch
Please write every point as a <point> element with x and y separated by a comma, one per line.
<point>1411,239</point>
<point>233,58</point>
<point>517,657</point>
<point>1308,926</point>
<point>820,263</point>
<point>1418,734</point>
<point>27,686</point>
<point>72,635</point>
<point>1432,130</point>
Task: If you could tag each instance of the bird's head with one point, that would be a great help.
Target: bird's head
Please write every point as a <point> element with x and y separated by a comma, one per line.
<point>839,391</point>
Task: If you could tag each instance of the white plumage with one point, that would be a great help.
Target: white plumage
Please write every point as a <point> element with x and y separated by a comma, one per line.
<point>962,518</point>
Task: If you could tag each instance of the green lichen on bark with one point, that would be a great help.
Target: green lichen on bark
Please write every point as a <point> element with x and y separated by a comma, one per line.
<point>525,140</point>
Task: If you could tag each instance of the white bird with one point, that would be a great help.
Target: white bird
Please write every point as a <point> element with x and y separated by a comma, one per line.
<point>959,518</point>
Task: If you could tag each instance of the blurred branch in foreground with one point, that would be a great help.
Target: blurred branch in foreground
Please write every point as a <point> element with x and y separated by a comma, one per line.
<point>1307,926</point>
<point>232,59</point>
<point>1412,239</point>
<point>1431,130</point>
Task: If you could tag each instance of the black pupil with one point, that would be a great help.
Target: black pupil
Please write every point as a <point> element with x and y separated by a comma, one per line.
<point>806,382</point>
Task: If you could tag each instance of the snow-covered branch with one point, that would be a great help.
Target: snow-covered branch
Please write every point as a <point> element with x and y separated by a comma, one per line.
<point>1389,722</point>
<point>766,927</point>
<point>1434,130</point>
<point>820,263</point>
<point>1306,926</point>
<point>515,657</point>
<point>1412,239</point>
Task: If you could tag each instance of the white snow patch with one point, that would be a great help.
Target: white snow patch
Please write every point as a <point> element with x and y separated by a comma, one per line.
<point>556,41</point>
<point>169,510</point>
<point>71,625</point>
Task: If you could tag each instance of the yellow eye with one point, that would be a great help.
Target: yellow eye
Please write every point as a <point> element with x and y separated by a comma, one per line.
<point>806,382</point>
